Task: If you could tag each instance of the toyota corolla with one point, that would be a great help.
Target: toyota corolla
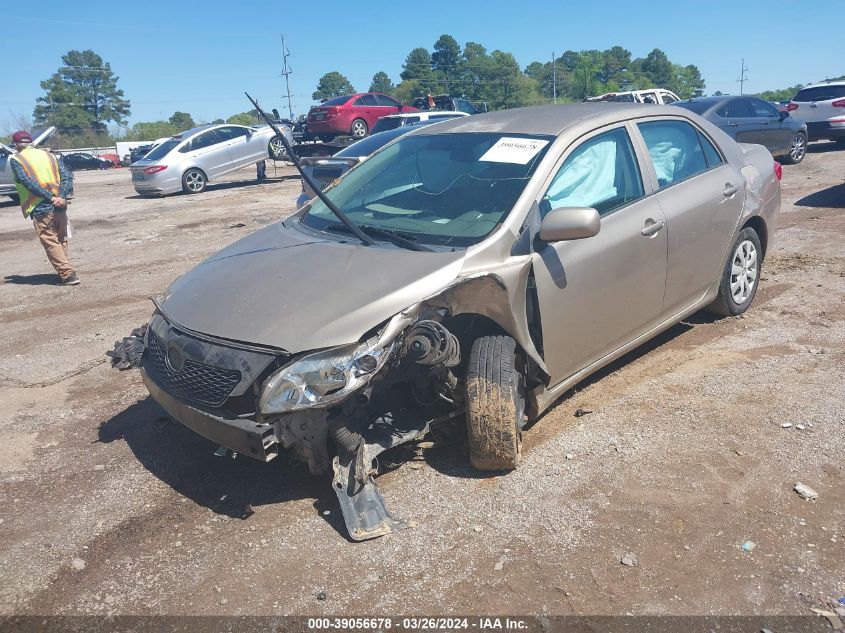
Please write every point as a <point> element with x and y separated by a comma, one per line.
<point>471,273</point>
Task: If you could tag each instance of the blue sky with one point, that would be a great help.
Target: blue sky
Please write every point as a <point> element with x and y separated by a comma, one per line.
<point>199,57</point>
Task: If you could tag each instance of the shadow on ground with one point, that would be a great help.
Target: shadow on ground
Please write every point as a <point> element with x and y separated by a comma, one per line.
<point>222,186</point>
<point>832,198</point>
<point>41,279</point>
<point>823,147</point>
<point>186,462</point>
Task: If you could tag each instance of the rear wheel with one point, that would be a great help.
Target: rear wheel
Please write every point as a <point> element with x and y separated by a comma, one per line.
<point>359,128</point>
<point>740,276</point>
<point>495,410</point>
<point>194,181</point>
<point>798,149</point>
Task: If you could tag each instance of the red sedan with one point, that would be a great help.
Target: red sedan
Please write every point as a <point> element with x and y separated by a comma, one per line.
<point>354,114</point>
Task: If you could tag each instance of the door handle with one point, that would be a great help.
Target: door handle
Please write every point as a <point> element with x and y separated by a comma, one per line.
<point>651,227</point>
<point>730,190</point>
<point>733,124</point>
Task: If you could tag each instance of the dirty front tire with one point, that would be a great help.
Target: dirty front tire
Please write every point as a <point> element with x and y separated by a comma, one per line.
<point>359,128</point>
<point>194,181</point>
<point>741,275</point>
<point>495,401</point>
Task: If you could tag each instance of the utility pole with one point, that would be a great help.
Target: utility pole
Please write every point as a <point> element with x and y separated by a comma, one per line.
<point>554,77</point>
<point>742,77</point>
<point>286,71</point>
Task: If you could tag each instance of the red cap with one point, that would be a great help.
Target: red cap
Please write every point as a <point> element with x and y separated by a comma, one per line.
<point>21,137</point>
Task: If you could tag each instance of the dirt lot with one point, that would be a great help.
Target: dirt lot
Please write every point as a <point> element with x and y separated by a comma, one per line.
<point>106,506</point>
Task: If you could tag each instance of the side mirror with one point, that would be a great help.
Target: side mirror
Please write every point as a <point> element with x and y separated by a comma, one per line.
<point>783,114</point>
<point>572,223</point>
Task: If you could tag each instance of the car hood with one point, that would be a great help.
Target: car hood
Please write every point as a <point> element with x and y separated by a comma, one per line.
<point>283,288</point>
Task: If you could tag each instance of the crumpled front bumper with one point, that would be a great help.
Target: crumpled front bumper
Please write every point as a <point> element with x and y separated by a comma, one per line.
<point>244,436</point>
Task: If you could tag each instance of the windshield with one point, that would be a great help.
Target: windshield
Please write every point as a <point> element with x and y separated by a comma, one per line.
<point>162,150</point>
<point>444,189</point>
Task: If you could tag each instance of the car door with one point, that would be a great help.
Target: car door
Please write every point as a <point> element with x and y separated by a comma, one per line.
<point>241,148</point>
<point>735,118</point>
<point>776,136</point>
<point>597,294</point>
<point>209,153</point>
<point>701,195</point>
<point>365,107</point>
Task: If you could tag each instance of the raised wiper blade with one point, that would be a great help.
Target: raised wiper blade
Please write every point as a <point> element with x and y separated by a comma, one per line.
<point>390,236</point>
<point>310,181</point>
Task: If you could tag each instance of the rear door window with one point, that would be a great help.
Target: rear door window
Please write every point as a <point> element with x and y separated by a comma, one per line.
<point>206,139</point>
<point>601,173</point>
<point>384,100</point>
<point>760,108</point>
<point>711,154</point>
<point>675,150</point>
<point>820,93</point>
<point>735,109</point>
<point>366,100</point>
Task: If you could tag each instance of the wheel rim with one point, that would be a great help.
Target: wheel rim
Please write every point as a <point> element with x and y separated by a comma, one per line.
<point>194,180</point>
<point>359,129</point>
<point>799,148</point>
<point>277,149</point>
<point>743,272</point>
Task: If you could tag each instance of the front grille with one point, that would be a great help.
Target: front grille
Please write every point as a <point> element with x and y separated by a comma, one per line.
<point>196,381</point>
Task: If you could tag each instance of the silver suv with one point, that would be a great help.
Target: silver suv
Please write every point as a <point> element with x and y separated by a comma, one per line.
<point>822,107</point>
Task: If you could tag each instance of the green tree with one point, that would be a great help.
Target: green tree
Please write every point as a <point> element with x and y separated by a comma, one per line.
<point>244,118</point>
<point>381,83</point>
<point>151,130</point>
<point>445,60</point>
<point>217,121</point>
<point>81,96</point>
<point>784,94</point>
<point>657,67</point>
<point>332,84</point>
<point>687,82</point>
<point>417,66</point>
<point>182,120</point>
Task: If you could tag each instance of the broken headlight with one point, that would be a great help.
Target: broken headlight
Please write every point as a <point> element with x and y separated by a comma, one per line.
<point>322,379</point>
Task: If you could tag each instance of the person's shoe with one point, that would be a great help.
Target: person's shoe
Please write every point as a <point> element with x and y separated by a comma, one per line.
<point>73,280</point>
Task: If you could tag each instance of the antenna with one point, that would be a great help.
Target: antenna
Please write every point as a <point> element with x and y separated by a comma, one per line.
<point>286,71</point>
<point>742,76</point>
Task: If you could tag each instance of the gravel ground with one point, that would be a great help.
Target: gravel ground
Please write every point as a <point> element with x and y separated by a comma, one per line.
<point>108,507</point>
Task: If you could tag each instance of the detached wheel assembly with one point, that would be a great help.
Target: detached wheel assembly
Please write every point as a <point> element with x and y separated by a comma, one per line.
<point>495,404</point>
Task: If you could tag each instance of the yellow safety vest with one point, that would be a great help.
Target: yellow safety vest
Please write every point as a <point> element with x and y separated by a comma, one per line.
<point>41,167</point>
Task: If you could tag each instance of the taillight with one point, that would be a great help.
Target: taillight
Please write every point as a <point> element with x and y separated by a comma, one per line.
<point>839,104</point>
<point>155,169</point>
<point>791,106</point>
<point>778,170</point>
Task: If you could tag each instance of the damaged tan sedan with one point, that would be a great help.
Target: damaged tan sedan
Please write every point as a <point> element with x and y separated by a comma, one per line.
<point>473,270</point>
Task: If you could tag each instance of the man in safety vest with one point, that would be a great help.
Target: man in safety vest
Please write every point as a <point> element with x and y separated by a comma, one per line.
<point>43,182</point>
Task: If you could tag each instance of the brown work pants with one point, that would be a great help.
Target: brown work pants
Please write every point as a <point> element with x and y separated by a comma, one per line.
<point>52,231</point>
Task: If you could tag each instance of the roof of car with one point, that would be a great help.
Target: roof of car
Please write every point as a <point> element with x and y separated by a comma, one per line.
<point>551,119</point>
<point>426,113</point>
<point>832,82</point>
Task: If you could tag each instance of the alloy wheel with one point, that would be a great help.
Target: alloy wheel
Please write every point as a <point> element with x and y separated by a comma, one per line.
<point>798,149</point>
<point>359,129</point>
<point>195,181</point>
<point>743,272</point>
<point>277,149</point>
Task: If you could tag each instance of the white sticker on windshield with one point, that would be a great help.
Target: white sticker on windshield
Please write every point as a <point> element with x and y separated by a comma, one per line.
<point>517,151</point>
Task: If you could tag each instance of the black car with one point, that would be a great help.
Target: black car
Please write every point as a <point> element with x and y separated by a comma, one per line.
<point>446,102</point>
<point>137,153</point>
<point>83,160</point>
<point>752,120</point>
